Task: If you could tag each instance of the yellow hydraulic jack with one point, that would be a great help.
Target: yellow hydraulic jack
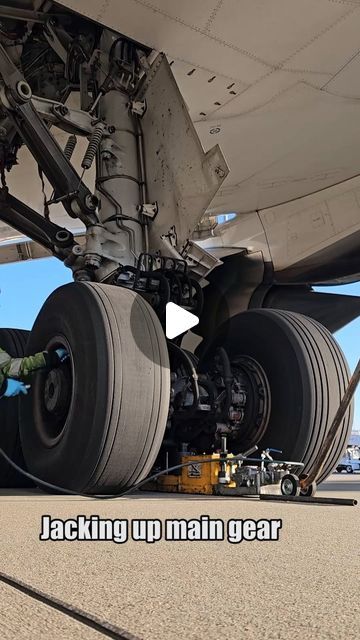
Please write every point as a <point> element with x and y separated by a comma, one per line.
<point>225,474</point>
<point>197,477</point>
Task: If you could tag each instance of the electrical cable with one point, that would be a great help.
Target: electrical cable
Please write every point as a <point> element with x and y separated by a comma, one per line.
<point>125,492</point>
<point>88,619</point>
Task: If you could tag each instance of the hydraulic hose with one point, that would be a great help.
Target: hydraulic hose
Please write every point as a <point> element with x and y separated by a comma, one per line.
<point>125,492</point>
<point>228,379</point>
<point>194,377</point>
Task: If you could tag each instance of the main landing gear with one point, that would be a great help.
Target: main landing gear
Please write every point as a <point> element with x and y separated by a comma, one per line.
<point>126,401</point>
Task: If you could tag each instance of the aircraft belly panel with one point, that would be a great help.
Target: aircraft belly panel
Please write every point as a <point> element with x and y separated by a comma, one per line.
<point>305,227</point>
<point>303,141</point>
<point>272,76</point>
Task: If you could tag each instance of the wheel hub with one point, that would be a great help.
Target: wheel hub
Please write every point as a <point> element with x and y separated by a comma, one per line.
<point>57,392</point>
<point>287,487</point>
<point>258,400</point>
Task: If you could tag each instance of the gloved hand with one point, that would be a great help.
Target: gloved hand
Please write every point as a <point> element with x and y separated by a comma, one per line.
<point>14,388</point>
<point>62,354</point>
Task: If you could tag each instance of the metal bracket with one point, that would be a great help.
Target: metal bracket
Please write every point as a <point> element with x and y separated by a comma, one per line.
<point>138,107</point>
<point>199,261</point>
<point>74,121</point>
<point>149,210</point>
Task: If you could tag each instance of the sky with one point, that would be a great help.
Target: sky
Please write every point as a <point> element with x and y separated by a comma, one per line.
<point>24,287</point>
<point>348,338</point>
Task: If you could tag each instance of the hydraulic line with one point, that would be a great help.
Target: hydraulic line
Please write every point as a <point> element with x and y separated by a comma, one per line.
<point>350,502</point>
<point>210,388</point>
<point>142,176</point>
<point>125,492</point>
<point>117,217</point>
<point>118,156</point>
<point>232,459</point>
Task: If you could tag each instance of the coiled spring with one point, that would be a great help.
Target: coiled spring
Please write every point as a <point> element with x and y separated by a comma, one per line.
<point>93,145</point>
<point>70,147</point>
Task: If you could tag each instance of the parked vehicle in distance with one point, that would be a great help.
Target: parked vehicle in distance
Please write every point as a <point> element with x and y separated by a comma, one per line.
<point>350,461</point>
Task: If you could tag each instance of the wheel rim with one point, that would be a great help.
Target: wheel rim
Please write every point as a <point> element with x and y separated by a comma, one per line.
<point>287,487</point>
<point>53,391</point>
<point>258,406</point>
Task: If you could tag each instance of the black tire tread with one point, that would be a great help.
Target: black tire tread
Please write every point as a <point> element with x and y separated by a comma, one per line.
<point>321,372</point>
<point>343,370</point>
<point>121,383</point>
<point>329,381</point>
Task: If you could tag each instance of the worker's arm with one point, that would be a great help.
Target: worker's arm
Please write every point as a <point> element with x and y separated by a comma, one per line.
<point>20,368</point>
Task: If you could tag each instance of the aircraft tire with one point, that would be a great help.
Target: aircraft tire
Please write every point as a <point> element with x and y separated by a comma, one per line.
<point>307,373</point>
<point>95,424</point>
<point>14,342</point>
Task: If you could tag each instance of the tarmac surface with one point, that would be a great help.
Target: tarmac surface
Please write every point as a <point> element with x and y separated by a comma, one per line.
<point>306,583</point>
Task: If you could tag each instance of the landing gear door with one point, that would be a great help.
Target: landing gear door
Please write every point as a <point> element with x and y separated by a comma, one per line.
<point>181,177</point>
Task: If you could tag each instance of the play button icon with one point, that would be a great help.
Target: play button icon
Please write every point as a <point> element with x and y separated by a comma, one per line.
<point>178,320</point>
